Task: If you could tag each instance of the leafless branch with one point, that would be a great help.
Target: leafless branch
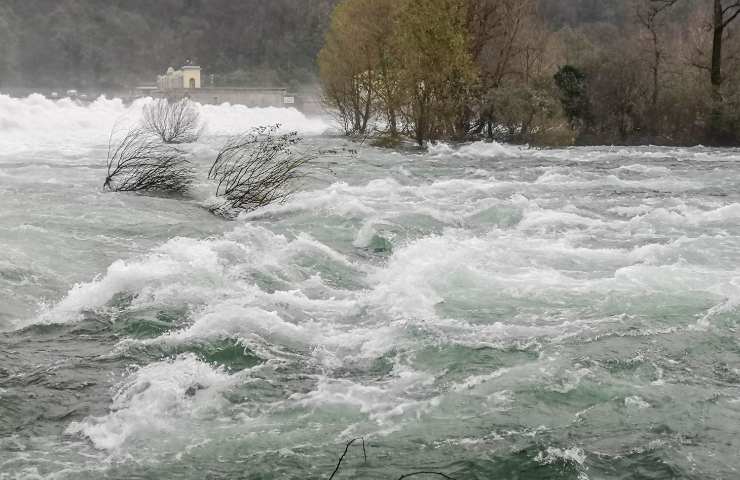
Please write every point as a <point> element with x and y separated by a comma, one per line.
<point>139,162</point>
<point>257,169</point>
<point>439,474</point>
<point>732,17</point>
<point>407,475</point>
<point>346,449</point>
<point>700,66</point>
<point>173,122</point>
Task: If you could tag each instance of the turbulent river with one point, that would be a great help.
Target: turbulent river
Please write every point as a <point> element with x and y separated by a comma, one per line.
<point>485,311</point>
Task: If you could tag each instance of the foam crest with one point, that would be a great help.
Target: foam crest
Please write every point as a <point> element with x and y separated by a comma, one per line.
<point>554,455</point>
<point>477,149</point>
<point>687,215</point>
<point>383,403</point>
<point>646,169</point>
<point>158,277</point>
<point>338,199</point>
<point>575,179</point>
<point>154,400</point>
<point>220,277</point>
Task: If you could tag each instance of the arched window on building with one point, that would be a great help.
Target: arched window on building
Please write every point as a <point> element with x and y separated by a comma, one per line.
<point>192,83</point>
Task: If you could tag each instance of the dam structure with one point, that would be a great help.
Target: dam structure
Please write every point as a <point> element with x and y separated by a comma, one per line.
<point>186,83</point>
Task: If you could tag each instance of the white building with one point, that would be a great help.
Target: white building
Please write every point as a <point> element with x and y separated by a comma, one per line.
<point>188,77</point>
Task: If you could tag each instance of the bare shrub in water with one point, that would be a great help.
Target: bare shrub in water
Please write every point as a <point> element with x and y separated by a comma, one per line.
<point>257,169</point>
<point>173,121</point>
<point>139,162</point>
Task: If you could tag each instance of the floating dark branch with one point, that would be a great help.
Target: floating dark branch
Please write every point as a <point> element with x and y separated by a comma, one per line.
<point>364,452</point>
<point>140,162</point>
<point>346,449</point>
<point>413,474</point>
<point>257,169</point>
<point>173,122</point>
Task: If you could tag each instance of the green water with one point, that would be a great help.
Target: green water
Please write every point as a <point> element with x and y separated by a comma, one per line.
<point>483,311</point>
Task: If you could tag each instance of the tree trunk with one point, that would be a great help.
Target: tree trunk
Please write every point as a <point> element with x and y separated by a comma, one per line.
<point>656,69</point>
<point>716,120</point>
<point>367,111</point>
<point>718,30</point>
<point>392,122</point>
<point>420,126</point>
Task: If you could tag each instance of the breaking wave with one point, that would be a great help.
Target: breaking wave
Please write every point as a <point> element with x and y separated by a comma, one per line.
<point>499,297</point>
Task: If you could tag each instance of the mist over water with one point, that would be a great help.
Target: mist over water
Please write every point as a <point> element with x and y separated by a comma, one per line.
<point>484,310</point>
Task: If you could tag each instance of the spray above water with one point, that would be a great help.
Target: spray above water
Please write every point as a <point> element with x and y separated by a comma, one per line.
<point>36,122</point>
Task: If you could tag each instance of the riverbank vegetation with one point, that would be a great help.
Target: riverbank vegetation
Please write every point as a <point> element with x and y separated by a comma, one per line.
<point>647,71</point>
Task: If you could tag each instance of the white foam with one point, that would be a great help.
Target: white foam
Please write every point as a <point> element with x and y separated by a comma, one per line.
<point>646,169</point>
<point>477,149</point>
<point>70,127</point>
<point>182,269</point>
<point>154,400</point>
<point>575,179</point>
<point>226,119</point>
<point>636,402</point>
<point>554,455</point>
<point>383,403</point>
<point>683,214</point>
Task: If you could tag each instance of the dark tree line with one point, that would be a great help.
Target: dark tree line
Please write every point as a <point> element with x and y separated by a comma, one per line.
<point>119,43</point>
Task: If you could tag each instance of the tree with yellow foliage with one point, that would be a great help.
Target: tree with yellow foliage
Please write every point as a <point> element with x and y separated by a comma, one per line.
<point>438,75</point>
<point>357,64</point>
<point>404,61</point>
<point>429,68</point>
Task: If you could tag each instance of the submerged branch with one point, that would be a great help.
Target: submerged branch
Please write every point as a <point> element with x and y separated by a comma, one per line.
<point>346,449</point>
<point>364,452</point>
<point>413,474</point>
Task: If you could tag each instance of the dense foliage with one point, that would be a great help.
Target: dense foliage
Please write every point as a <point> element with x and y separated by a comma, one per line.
<point>541,71</point>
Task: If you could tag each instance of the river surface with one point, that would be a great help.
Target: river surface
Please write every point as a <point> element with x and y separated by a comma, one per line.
<point>486,311</point>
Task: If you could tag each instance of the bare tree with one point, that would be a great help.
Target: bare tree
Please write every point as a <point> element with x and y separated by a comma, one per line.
<point>257,169</point>
<point>352,61</point>
<point>139,162</point>
<point>496,29</point>
<point>649,16</point>
<point>724,12</point>
<point>173,122</point>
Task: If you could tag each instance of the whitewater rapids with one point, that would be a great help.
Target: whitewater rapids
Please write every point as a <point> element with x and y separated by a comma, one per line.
<point>484,310</point>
